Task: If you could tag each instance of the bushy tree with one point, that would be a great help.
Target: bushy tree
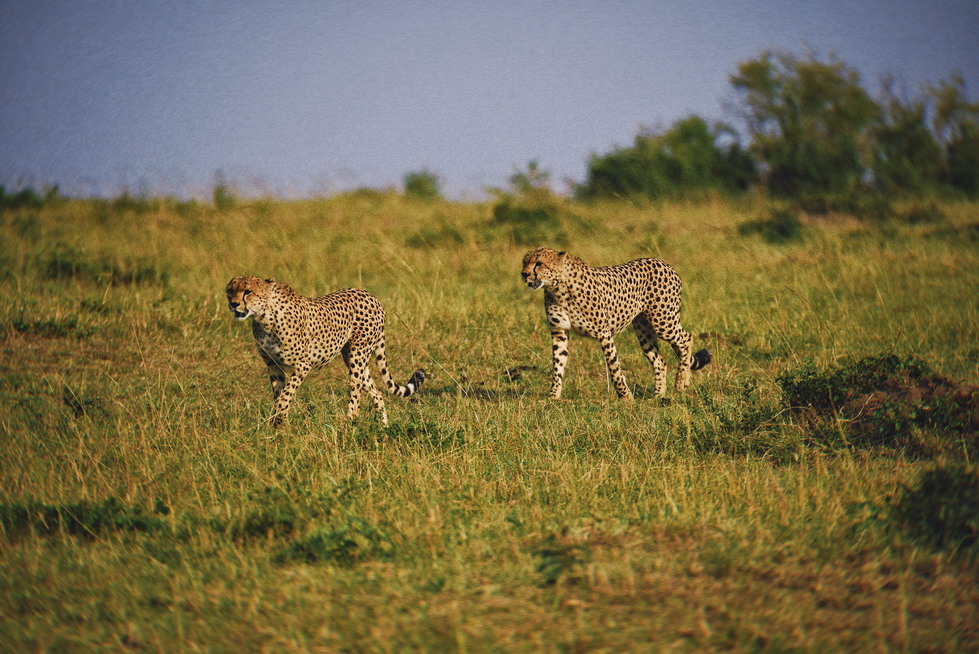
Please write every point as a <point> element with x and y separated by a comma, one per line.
<point>690,157</point>
<point>807,119</point>
<point>423,185</point>
<point>956,122</point>
<point>906,156</point>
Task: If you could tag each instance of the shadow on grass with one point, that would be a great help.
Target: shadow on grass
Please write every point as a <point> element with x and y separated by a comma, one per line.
<point>476,391</point>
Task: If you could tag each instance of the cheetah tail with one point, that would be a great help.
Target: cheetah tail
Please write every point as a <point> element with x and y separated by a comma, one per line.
<point>393,387</point>
<point>700,359</point>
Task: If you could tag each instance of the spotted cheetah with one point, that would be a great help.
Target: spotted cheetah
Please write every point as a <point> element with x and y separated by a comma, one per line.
<point>297,334</point>
<point>601,302</point>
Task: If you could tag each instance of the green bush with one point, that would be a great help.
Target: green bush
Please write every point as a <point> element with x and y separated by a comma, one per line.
<point>423,185</point>
<point>529,212</point>
<point>686,159</point>
<point>25,198</point>
<point>922,212</point>
<point>428,237</point>
<point>886,401</point>
<point>50,327</point>
<point>907,157</point>
<point>560,557</point>
<point>222,195</point>
<point>956,121</point>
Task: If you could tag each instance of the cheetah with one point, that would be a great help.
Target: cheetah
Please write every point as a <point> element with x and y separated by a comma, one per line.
<point>296,334</point>
<point>601,302</point>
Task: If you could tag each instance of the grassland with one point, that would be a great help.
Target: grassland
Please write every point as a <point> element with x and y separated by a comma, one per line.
<point>146,504</point>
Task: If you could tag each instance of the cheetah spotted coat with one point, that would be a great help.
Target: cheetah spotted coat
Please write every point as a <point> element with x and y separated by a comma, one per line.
<point>601,302</point>
<point>297,334</point>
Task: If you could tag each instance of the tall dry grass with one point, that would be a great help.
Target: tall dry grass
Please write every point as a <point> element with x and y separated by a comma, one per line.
<point>147,504</point>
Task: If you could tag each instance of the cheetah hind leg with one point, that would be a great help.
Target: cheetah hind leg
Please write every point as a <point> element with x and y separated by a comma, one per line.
<point>360,380</point>
<point>375,396</point>
<point>648,343</point>
<point>688,362</point>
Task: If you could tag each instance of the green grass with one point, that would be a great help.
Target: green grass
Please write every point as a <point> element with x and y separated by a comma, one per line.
<point>145,504</point>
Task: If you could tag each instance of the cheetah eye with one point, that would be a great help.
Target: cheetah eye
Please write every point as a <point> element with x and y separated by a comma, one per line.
<point>537,265</point>
<point>246,292</point>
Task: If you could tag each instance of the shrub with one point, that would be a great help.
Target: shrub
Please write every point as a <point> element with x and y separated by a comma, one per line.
<point>907,157</point>
<point>529,211</point>
<point>423,185</point>
<point>560,556</point>
<point>738,425</point>
<point>82,405</point>
<point>51,327</point>
<point>688,158</point>
<point>956,121</point>
<point>25,198</point>
<point>434,434</point>
<point>308,526</point>
<point>884,401</point>
<point>427,237</point>
<point>222,194</point>
<point>922,212</point>
<point>272,512</point>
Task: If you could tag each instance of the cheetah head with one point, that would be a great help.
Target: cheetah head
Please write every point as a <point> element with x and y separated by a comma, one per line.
<point>542,267</point>
<point>247,296</point>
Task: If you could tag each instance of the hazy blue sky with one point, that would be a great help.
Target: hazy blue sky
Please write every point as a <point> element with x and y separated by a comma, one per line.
<point>296,98</point>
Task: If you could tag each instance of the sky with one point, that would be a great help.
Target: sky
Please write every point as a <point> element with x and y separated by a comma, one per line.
<point>293,99</point>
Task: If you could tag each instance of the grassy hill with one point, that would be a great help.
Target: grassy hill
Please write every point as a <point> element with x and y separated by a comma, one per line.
<point>811,491</point>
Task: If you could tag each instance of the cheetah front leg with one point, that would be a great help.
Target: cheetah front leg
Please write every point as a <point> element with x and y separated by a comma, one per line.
<point>614,369</point>
<point>277,375</point>
<point>649,346</point>
<point>559,351</point>
<point>287,392</point>
<point>277,378</point>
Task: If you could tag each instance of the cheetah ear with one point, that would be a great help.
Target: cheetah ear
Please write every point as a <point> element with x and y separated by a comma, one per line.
<point>560,258</point>
<point>270,280</point>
